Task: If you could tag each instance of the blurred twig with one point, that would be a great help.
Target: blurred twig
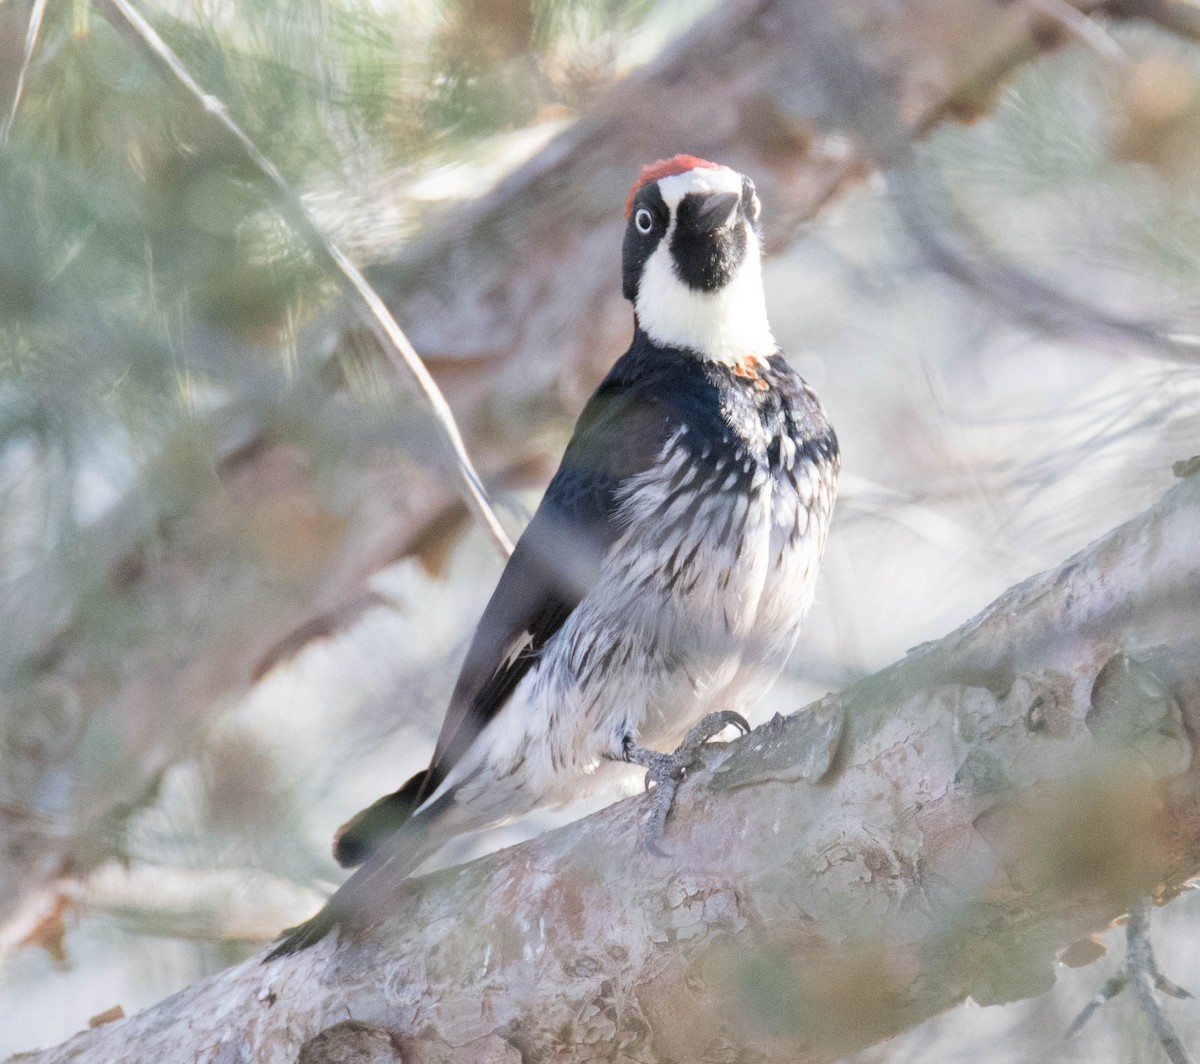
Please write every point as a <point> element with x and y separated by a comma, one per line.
<point>945,235</point>
<point>36,14</point>
<point>375,315</point>
<point>1141,972</point>
<point>1083,28</point>
<point>1146,978</point>
<point>954,244</point>
<point>1181,17</point>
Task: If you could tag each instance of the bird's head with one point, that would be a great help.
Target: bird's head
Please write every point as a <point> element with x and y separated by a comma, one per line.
<point>692,262</point>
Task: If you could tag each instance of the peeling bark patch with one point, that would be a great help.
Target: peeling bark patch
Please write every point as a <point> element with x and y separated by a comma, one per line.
<point>117,1012</point>
<point>351,1042</point>
<point>491,1049</point>
<point>983,772</point>
<point>1083,952</point>
<point>1134,711</point>
<point>786,749</point>
<point>1186,467</point>
<point>693,907</point>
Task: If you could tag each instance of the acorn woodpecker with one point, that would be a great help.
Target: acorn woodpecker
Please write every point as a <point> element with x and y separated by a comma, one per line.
<point>660,586</point>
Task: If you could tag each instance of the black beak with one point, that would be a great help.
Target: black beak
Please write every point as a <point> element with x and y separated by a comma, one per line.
<point>715,210</point>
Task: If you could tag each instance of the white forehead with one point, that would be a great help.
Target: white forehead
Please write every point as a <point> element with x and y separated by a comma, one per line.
<point>702,180</point>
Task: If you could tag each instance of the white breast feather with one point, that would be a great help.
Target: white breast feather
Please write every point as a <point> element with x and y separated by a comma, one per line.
<point>727,633</point>
<point>725,325</point>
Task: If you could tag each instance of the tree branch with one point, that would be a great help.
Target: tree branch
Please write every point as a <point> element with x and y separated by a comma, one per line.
<point>370,308</point>
<point>1181,17</point>
<point>938,830</point>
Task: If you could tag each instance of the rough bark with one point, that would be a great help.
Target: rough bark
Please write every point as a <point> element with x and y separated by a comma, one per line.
<point>938,830</point>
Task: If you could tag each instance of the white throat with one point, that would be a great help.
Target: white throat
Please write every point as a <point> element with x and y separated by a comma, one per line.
<point>724,326</point>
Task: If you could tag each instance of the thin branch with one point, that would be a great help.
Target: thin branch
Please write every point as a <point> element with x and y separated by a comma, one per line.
<point>1181,17</point>
<point>374,313</point>
<point>944,234</point>
<point>952,243</point>
<point>1140,972</point>
<point>1146,978</point>
<point>36,14</point>
<point>1085,29</point>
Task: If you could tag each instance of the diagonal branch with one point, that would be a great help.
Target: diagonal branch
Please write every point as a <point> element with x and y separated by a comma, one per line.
<point>938,830</point>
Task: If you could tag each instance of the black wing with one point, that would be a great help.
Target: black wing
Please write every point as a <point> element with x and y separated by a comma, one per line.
<point>556,562</point>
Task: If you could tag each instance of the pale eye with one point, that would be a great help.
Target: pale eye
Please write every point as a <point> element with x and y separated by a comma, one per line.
<point>755,207</point>
<point>644,220</point>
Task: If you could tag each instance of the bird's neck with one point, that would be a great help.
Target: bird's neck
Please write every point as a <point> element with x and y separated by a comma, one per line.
<point>727,325</point>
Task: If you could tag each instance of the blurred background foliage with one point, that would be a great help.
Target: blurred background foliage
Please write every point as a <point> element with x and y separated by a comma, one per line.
<point>195,451</point>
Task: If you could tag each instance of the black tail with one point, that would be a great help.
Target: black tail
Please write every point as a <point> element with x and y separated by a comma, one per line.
<point>309,933</point>
<point>366,895</point>
<point>365,832</point>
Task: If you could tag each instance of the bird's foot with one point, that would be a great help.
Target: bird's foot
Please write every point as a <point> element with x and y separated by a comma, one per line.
<point>1140,972</point>
<point>667,771</point>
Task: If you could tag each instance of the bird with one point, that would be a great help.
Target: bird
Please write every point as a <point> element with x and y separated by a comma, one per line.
<point>659,588</point>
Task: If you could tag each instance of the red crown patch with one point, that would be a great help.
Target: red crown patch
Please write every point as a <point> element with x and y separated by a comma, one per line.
<point>678,164</point>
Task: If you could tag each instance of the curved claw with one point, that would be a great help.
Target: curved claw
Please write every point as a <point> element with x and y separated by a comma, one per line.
<point>738,721</point>
<point>710,727</point>
<point>653,848</point>
<point>1169,988</point>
